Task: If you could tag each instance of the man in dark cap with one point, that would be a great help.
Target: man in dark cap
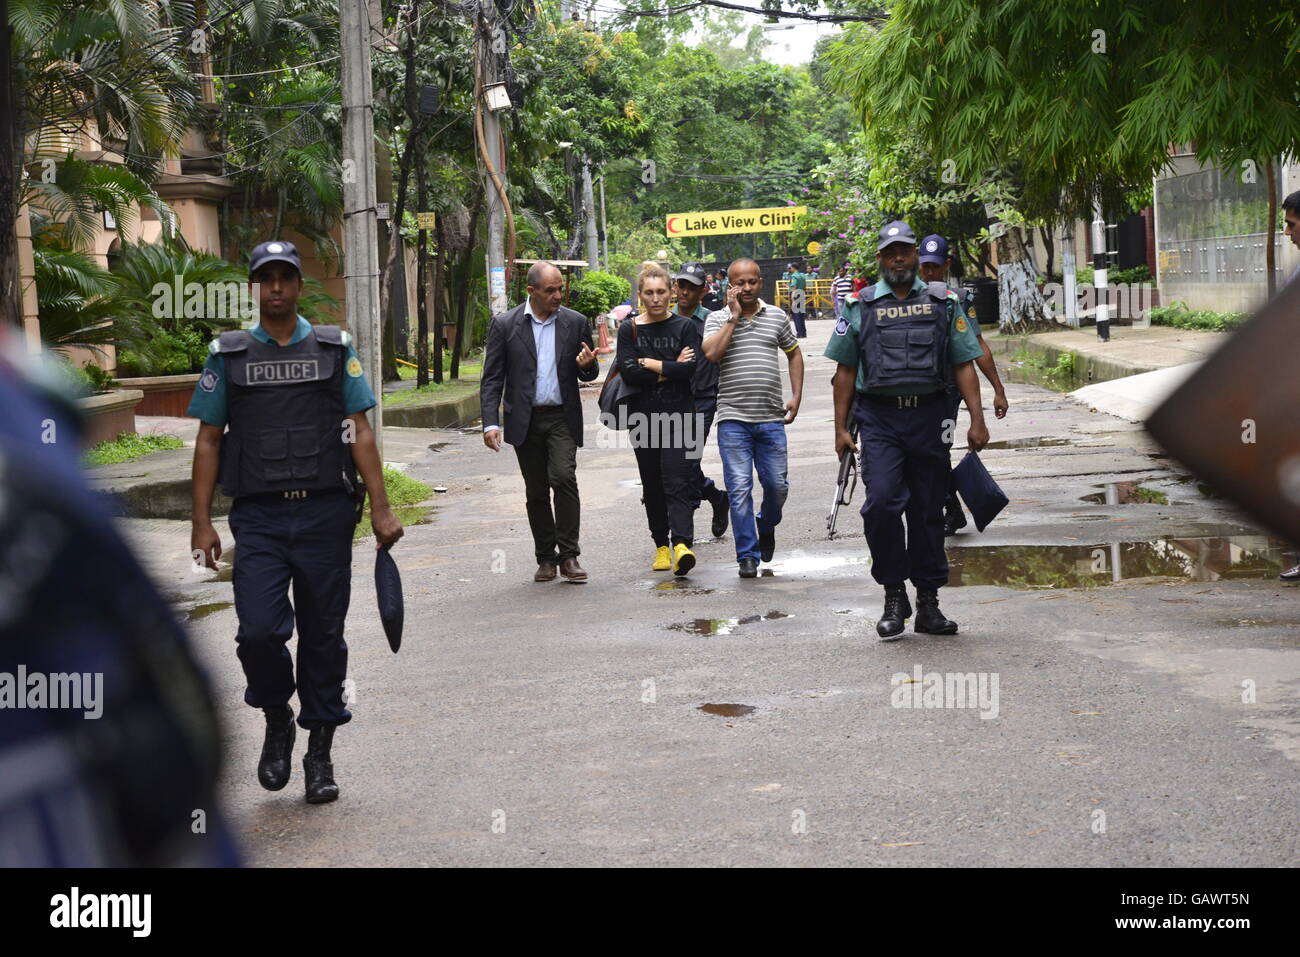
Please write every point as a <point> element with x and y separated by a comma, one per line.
<point>935,265</point>
<point>283,427</point>
<point>895,345</point>
<point>691,284</point>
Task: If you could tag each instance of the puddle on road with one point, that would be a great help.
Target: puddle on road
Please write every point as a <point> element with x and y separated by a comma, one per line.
<point>800,564</point>
<point>1125,493</point>
<point>199,612</point>
<point>727,710</point>
<point>680,585</point>
<point>724,626</point>
<point>1193,558</point>
<point>1032,442</point>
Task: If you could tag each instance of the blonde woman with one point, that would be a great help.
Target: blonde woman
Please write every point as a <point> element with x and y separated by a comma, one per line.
<point>656,354</point>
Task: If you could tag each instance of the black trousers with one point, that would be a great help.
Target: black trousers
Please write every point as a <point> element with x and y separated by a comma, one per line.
<point>907,469</point>
<point>669,486</point>
<point>306,543</point>
<point>705,489</point>
<point>548,459</point>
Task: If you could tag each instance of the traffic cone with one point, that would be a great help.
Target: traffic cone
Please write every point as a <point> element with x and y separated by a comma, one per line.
<point>604,348</point>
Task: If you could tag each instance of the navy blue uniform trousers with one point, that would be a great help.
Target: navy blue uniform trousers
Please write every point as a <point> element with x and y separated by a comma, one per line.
<point>905,463</point>
<point>306,543</point>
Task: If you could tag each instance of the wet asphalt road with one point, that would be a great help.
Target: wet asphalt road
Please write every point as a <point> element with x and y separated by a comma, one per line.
<point>535,724</point>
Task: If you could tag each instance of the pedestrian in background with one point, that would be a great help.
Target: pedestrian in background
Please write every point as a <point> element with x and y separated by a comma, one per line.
<point>690,288</point>
<point>536,354</point>
<point>656,355</point>
<point>841,288</point>
<point>799,300</point>
<point>746,339</point>
<point>935,264</point>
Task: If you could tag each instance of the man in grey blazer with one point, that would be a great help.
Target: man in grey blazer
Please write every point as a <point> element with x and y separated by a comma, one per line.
<point>535,356</point>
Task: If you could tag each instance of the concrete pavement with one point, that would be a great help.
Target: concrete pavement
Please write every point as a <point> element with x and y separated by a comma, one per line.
<point>1144,651</point>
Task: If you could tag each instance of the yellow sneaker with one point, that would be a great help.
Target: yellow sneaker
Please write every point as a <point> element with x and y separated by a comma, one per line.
<point>683,560</point>
<point>663,559</point>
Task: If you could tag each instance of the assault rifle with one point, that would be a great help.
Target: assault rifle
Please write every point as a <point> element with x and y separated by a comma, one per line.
<point>845,483</point>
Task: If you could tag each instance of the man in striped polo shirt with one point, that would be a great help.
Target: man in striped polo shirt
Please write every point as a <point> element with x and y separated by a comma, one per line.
<point>841,288</point>
<point>745,339</point>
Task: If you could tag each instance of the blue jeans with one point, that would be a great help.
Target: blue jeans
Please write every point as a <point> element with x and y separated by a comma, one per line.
<point>745,447</point>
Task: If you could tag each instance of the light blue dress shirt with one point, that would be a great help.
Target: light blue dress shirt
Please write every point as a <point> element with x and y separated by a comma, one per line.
<point>547,390</point>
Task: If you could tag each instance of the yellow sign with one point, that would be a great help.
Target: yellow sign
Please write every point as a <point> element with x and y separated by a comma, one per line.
<point>814,248</point>
<point>728,221</point>
<point>426,220</point>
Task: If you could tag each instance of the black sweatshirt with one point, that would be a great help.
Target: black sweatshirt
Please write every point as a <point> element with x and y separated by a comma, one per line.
<point>658,340</point>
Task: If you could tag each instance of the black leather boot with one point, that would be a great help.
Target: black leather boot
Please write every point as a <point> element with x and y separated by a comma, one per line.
<point>316,765</point>
<point>277,748</point>
<point>897,610</point>
<point>721,513</point>
<point>929,619</point>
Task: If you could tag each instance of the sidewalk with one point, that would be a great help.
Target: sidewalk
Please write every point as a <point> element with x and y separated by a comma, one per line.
<point>1129,375</point>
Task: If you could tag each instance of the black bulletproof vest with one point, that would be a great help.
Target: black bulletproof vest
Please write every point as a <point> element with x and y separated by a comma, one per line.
<point>285,414</point>
<point>905,342</point>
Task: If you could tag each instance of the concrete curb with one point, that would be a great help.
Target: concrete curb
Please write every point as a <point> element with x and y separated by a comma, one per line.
<point>447,414</point>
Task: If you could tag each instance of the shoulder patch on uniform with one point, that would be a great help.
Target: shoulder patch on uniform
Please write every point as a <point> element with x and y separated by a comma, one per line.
<point>842,327</point>
<point>208,381</point>
<point>354,367</point>
<point>961,324</point>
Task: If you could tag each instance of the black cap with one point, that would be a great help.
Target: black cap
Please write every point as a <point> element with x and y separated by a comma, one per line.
<point>934,249</point>
<point>388,589</point>
<point>691,272</point>
<point>276,251</point>
<point>896,232</point>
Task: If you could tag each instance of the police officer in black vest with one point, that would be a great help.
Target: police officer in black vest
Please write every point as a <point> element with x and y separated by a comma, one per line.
<point>290,398</point>
<point>894,345</point>
<point>935,264</point>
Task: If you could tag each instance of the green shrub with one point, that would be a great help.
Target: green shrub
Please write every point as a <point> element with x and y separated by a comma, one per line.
<point>168,352</point>
<point>598,292</point>
<point>129,446</point>
<point>1177,314</point>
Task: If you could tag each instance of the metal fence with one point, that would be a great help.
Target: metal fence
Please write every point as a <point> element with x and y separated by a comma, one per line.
<point>1211,226</point>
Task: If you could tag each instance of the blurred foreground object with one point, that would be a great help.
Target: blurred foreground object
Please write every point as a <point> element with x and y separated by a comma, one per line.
<point>109,745</point>
<point>1233,421</point>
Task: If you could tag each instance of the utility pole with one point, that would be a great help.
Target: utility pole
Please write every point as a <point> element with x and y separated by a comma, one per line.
<point>360,226</point>
<point>604,227</point>
<point>589,206</point>
<point>490,43</point>
<point>11,295</point>
<point>1099,263</point>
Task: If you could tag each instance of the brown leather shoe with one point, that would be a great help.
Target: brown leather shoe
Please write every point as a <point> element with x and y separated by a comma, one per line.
<point>571,570</point>
<point>545,572</point>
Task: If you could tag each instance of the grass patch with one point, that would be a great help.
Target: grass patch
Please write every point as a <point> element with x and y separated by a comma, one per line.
<point>433,391</point>
<point>470,368</point>
<point>1177,315</point>
<point>128,446</point>
<point>405,495</point>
